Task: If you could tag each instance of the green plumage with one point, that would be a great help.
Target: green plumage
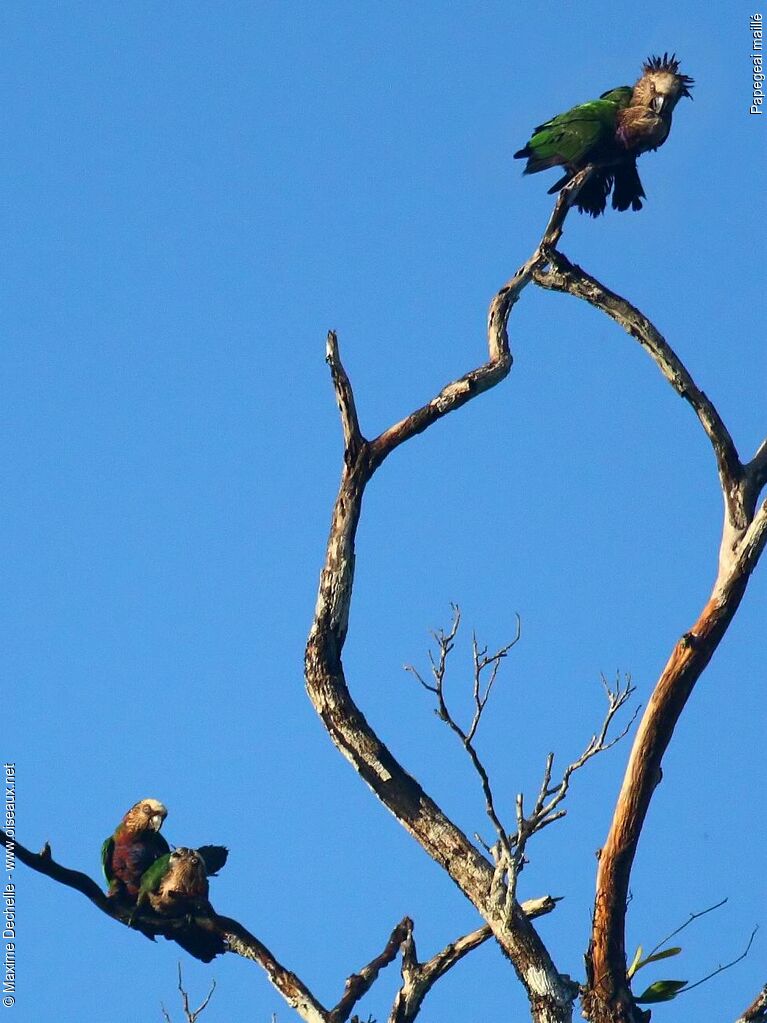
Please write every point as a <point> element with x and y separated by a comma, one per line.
<point>582,132</point>
<point>608,135</point>
<point>213,859</point>
<point>176,887</point>
<point>151,878</point>
<point>106,858</point>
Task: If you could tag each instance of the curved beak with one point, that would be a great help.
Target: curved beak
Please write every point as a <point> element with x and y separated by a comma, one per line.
<point>155,821</point>
<point>658,103</point>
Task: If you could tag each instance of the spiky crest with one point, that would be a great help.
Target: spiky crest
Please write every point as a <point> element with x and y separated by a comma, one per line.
<point>671,65</point>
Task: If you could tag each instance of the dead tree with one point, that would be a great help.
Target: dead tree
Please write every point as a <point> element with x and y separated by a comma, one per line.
<point>489,881</point>
<point>487,873</point>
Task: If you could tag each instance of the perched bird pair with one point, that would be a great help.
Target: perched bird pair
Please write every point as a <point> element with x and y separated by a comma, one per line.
<point>610,133</point>
<point>141,870</point>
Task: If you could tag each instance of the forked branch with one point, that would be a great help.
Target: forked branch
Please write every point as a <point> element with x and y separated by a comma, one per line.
<point>233,937</point>
<point>190,1015</point>
<point>551,995</point>
<point>508,851</point>
<point>485,666</point>
<point>548,804</point>
<point>419,978</point>
<point>744,536</point>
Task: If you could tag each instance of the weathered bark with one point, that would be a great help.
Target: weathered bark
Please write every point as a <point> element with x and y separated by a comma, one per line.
<point>757,1010</point>
<point>551,994</point>
<point>608,998</point>
<point>236,938</point>
<point>490,885</point>
<point>419,978</point>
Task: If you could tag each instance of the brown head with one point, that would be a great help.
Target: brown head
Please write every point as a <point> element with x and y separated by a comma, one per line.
<point>186,874</point>
<point>146,815</point>
<point>661,86</point>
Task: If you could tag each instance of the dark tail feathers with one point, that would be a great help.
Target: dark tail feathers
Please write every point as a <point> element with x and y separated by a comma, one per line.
<point>628,189</point>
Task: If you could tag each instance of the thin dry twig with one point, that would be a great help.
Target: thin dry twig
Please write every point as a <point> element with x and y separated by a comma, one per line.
<point>678,930</point>
<point>547,807</point>
<point>508,852</point>
<point>484,664</point>
<point>191,1015</point>
<point>726,966</point>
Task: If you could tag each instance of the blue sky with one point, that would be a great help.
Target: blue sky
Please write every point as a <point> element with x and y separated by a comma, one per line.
<point>193,195</point>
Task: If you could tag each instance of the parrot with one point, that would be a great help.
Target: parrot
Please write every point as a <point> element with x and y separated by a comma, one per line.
<point>176,885</point>
<point>133,848</point>
<point>137,843</point>
<point>610,132</point>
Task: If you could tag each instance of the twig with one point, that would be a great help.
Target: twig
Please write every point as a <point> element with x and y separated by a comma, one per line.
<point>192,1015</point>
<point>721,969</point>
<point>482,661</point>
<point>692,917</point>
<point>546,809</point>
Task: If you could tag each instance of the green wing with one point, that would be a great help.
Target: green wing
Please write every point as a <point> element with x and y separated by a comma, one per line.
<point>620,96</point>
<point>569,138</point>
<point>152,876</point>
<point>106,858</point>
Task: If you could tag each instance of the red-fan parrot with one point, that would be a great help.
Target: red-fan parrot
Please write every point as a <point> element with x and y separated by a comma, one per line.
<point>133,848</point>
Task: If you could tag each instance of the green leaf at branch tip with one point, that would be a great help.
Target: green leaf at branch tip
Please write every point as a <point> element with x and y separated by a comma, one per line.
<point>638,962</point>
<point>667,953</point>
<point>661,991</point>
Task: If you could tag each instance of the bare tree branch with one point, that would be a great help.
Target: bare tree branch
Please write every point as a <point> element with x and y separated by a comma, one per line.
<point>757,467</point>
<point>353,438</point>
<point>509,851</point>
<point>457,393</point>
<point>227,934</point>
<point>546,809</point>
<point>482,661</point>
<point>419,978</point>
<point>562,275</point>
<point>233,937</point>
<point>550,993</point>
<point>744,535</point>
<point>360,983</point>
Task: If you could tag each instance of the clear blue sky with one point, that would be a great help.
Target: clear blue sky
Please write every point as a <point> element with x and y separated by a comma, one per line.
<point>193,194</point>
